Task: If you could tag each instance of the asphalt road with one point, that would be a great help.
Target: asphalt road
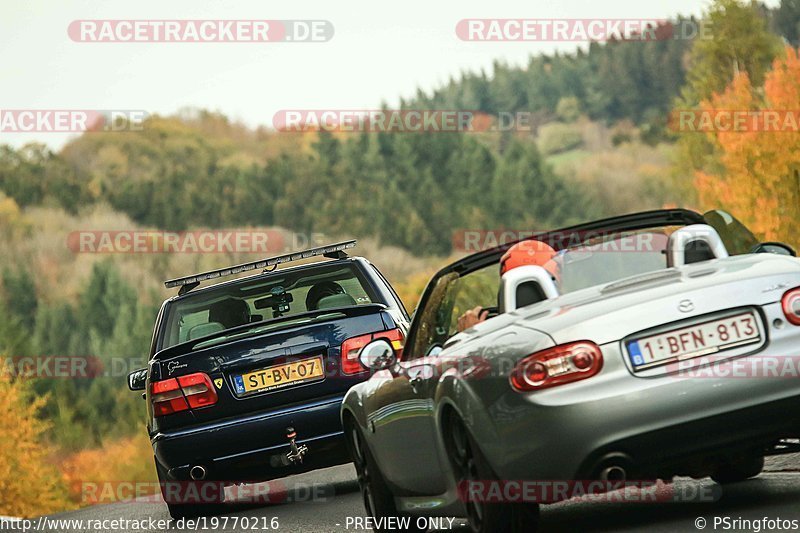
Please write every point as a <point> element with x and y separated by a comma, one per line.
<point>337,506</point>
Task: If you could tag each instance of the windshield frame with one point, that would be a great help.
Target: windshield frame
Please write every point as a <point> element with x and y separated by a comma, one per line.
<point>630,222</point>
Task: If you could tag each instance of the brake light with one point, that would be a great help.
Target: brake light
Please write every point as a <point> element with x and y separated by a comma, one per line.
<point>198,389</point>
<point>167,397</point>
<point>351,348</point>
<point>791,306</point>
<point>562,364</point>
<point>179,394</point>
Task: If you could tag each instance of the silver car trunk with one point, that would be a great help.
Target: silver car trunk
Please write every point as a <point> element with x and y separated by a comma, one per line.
<point>611,312</point>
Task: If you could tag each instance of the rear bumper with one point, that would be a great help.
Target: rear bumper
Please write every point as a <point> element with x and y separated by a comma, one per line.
<point>685,437</point>
<point>241,449</point>
<point>662,425</point>
<point>696,447</point>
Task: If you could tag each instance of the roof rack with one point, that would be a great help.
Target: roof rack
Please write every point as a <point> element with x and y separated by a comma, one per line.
<point>332,251</point>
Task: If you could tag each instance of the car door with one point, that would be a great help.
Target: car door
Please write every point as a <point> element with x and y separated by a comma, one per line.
<point>401,408</point>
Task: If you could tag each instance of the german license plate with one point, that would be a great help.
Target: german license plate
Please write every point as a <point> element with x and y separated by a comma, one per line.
<point>694,341</point>
<point>279,376</point>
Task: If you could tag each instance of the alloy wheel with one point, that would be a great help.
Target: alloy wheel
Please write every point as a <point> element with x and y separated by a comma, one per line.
<point>463,457</point>
<point>362,470</point>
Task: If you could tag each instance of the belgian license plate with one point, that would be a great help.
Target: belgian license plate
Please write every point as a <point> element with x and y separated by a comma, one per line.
<point>279,376</point>
<point>694,341</point>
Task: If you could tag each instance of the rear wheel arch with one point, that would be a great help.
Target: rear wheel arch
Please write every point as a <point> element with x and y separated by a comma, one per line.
<point>350,423</point>
<point>352,406</point>
<point>468,407</point>
<point>346,415</point>
<point>446,414</point>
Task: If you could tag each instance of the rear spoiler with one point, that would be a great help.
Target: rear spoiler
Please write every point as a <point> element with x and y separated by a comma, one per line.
<point>189,346</point>
<point>332,251</point>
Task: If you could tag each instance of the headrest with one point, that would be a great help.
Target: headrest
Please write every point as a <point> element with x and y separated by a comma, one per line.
<point>525,285</point>
<point>694,244</point>
<point>201,330</point>
<point>320,290</point>
<point>336,300</point>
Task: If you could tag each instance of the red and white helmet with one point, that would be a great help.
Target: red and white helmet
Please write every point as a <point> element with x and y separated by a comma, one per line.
<point>530,252</point>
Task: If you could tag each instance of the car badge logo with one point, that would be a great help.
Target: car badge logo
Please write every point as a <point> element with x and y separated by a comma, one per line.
<point>776,287</point>
<point>686,306</point>
<point>218,383</point>
<point>172,366</point>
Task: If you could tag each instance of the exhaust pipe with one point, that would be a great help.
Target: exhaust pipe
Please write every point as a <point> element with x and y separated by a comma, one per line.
<point>197,473</point>
<point>614,474</point>
<point>615,467</point>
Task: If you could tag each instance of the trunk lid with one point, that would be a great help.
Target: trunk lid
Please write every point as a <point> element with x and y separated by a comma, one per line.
<point>612,312</point>
<point>306,358</point>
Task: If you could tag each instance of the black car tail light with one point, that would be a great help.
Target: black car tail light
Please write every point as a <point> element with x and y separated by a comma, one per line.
<point>180,394</point>
<point>352,347</point>
<point>555,366</point>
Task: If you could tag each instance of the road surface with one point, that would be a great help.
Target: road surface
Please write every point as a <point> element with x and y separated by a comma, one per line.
<point>337,508</point>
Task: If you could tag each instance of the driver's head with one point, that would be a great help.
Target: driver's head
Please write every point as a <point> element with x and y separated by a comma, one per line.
<point>320,290</point>
<point>230,312</point>
<point>530,252</point>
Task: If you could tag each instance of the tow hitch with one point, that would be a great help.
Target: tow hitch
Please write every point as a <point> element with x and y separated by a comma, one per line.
<point>296,452</point>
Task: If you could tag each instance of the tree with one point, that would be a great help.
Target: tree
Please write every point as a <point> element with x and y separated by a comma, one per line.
<point>29,482</point>
<point>739,44</point>
<point>786,21</point>
<point>568,109</point>
<point>20,296</point>
<point>759,181</point>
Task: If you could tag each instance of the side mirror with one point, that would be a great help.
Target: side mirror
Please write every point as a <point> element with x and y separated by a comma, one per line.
<point>377,355</point>
<point>137,379</point>
<point>778,248</point>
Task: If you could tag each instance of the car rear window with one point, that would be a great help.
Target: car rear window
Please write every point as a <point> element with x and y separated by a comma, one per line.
<point>262,299</point>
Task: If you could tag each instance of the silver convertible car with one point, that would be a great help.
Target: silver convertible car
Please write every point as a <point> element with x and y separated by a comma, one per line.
<point>658,347</point>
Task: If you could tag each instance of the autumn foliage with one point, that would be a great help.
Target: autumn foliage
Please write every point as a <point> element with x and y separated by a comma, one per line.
<point>128,459</point>
<point>33,482</point>
<point>759,180</point>
<point>30,483</point>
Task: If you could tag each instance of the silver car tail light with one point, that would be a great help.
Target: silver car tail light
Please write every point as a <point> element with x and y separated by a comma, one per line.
<point>555,366</point>
<point>791,306</point>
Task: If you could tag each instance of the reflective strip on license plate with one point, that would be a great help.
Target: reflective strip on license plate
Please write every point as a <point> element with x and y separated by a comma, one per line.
<point>693,341</point>
<point>279,376</point>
